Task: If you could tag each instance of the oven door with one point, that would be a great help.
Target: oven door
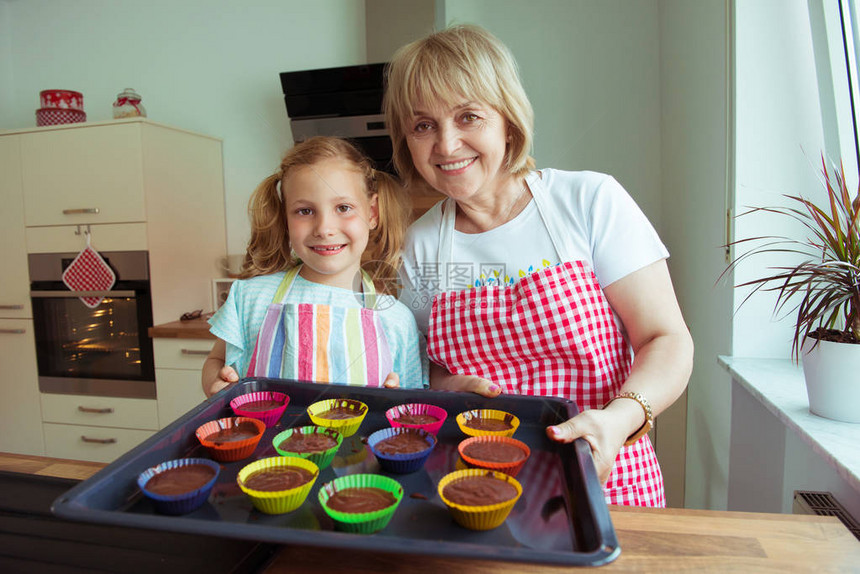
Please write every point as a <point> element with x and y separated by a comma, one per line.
<point>103,351</point>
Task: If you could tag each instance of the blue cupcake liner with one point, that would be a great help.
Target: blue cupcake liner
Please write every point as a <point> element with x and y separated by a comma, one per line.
<point>401,463</point>
<point>178,503</point>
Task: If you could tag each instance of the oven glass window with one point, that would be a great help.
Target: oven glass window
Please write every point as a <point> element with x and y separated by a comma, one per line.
<point>102,343</point>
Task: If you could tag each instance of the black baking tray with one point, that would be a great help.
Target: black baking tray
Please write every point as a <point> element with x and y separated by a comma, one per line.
<point>560,519</point>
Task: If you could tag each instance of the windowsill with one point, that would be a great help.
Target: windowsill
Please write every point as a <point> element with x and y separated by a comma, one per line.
<point>779,385</point>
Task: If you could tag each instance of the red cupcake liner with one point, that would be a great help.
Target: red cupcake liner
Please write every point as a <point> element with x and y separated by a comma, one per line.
<point>270,417</point>
<point>394,413</point>
<point>509,468</point>
<point>230,451</point>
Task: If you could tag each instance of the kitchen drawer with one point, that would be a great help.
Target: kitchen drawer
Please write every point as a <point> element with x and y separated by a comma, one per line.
<point>93,443</point>
<point>187,354</point>
<point>68,239</point>
<point>100,411</point>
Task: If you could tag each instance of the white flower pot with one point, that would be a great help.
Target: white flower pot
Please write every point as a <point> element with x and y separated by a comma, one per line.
<point>832,372</point>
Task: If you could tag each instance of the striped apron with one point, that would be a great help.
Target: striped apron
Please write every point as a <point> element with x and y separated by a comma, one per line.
<point>553,333</point>
<point>322,343</point>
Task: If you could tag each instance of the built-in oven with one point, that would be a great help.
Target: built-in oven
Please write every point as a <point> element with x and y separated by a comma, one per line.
<point>104,350</point>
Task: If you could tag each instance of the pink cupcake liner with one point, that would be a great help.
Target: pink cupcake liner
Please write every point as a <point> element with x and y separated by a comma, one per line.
<point>394,413</point>
<point>270,417</point>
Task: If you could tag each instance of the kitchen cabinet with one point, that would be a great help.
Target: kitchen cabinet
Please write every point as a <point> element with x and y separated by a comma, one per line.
<point>20,414</point>
<point>178,372</point>
<point>93,428</point>
<point>127,185</point>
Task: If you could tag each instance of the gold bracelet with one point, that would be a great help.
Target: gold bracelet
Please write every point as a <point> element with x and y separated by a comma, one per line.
<point>646,406</point>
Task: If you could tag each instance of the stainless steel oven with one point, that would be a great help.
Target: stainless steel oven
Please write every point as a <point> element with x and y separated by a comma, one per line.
<point>102,351</point>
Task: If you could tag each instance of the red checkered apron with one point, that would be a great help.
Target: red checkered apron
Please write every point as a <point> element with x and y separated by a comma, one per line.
<point>551,334</point>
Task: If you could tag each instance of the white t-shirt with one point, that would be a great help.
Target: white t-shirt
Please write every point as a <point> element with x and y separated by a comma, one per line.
<point>601,224</point>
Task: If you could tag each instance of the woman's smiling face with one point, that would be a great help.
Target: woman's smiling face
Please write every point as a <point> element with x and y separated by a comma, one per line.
<point>459,150</point>
<point>329,217</point>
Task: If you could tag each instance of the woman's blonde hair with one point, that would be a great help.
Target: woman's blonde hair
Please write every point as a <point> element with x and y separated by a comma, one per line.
<point>460,63</point>
<point>269,247</point>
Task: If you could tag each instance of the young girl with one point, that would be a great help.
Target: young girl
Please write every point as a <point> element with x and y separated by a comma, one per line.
<point>306,307</point>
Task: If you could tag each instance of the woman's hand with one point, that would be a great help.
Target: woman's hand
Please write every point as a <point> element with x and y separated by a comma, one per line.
<point>441,379</point>
<point>601,429</point>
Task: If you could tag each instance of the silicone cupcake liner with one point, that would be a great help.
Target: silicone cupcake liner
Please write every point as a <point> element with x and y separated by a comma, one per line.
<point>394,413</point>
<point>465,416</point>
<point>270,417</point>
<point>479,517</point>
<point>279,501</point>
<point>230,451</point>
<point>321,459</point>
<point>346,427</point>
<point>178,503</point>
<point>401,463</point>
<point>511,468</point>
<point>361,522</point>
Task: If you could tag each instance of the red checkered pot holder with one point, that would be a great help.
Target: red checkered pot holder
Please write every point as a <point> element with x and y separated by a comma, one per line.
<point>89,272</point>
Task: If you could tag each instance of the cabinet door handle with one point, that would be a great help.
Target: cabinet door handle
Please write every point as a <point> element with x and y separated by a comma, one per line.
<point>104,411</point>
<point>11,307</point>
<point>81,210</point>
<point>194,352</point>
<point>12,331</point>
<point>98,440</point>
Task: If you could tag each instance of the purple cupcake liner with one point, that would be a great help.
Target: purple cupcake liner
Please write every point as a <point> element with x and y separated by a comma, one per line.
<point>270,417</point>
<point>178,503</point>
<point>401,463</point>
<point>394,413</point>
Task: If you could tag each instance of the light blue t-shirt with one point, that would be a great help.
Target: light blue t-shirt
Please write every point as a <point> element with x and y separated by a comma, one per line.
<point>239,319</point>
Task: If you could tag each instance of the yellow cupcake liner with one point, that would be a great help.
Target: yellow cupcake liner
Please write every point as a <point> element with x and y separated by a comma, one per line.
<point>479,517</point>
<point>279,501</point>
<point>346,427</point>
<point>465,416</point>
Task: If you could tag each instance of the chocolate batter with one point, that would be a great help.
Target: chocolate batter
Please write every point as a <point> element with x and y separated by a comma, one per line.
<point>357,500</point>
<point>259,406</point>
<point>479,491</point>
<point>494,452</point>
<point>408,419</point>
<point>312,442</point>
<point>481,423</point>
<point>403,443</point>
<point>339,413</point>
<point>242,431</point>
<point>278,478</point>
<point>180,479</point>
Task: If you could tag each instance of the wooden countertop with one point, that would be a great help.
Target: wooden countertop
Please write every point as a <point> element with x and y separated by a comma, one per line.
<point>652,540</point>
<point>193,329</point>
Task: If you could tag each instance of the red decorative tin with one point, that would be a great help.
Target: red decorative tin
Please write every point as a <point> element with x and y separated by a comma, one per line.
<point>61,99</point>
<point>55,117</point>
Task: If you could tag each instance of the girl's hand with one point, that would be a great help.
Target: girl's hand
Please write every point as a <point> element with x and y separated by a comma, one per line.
<point>440,378</point>
<point>392,381</point>
<point>226,376</point>
<point>602,430</point>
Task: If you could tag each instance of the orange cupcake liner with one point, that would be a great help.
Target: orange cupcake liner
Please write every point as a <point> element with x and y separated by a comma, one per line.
<point>510,468</point>
<point>230,451</point>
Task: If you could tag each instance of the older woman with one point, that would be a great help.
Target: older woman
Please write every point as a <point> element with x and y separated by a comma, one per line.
<point>537,282</point>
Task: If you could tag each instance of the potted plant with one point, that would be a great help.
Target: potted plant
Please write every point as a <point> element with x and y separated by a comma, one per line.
<point>824,290</point>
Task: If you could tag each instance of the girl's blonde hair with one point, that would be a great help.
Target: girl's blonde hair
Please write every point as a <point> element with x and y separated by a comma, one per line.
<point>461,63</point>
<point>269,247</point>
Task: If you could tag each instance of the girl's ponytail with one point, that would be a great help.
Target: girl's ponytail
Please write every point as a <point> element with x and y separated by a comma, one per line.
<point>269,247</point>
<point>385,242</point>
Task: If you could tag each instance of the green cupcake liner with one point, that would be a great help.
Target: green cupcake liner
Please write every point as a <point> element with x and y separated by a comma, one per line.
<point>361,522</point>
<point>321,459</point>
<point>280,501</point>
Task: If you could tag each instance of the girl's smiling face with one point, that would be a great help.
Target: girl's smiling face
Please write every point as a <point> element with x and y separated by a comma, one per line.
<point>329,217</point>
<point>459,149</point>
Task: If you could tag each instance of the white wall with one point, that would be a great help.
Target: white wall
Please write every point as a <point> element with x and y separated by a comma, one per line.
<point>209,66</point>
<point>694,64</point>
